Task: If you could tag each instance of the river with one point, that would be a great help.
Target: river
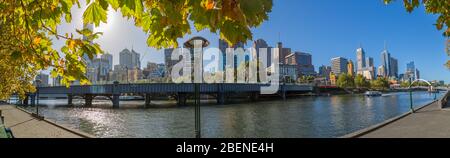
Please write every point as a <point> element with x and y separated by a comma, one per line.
<point>311,117</point>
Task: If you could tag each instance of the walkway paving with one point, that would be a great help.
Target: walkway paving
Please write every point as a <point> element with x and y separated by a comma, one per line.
<point>23,125</point>
<point>429,122</point>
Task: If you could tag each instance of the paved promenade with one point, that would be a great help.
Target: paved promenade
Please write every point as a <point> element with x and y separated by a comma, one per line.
<point>23,125</point>
<point>428,122</point>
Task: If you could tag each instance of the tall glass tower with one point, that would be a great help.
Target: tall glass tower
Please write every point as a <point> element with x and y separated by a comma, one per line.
<point>386,62</point>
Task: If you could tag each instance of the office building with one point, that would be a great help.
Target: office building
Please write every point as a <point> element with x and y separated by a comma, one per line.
<point>223,46</point>
<point>303,62</point>
<point>339,65</point>
<point>369,62</point>
<point>381,71</point>
<point>262,44</point>
<point>360,59</point>
<point>284,52</point>
<point>350,68</point>
<point>386,63</point>
<point>410,71</point>
<point>394,68</point>
<point>417,74</point>
<point>130,59</point>
<point>154,70</point>
<point>325,71</point>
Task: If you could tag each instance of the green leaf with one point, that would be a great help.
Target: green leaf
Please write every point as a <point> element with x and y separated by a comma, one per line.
<point>95,14</point>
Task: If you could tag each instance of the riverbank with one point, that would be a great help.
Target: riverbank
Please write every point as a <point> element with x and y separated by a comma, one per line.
<point>429,121</point>
<point>24,125</point>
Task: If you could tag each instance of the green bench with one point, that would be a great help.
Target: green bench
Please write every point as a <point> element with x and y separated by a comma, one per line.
<point>4,132</point>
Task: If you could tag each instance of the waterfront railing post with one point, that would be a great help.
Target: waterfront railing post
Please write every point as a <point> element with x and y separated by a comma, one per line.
<point>37,97</point>
<point>410,96</point>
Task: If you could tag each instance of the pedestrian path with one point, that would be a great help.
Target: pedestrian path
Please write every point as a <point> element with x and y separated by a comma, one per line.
<point>428,122</point>
<point>24,125</point>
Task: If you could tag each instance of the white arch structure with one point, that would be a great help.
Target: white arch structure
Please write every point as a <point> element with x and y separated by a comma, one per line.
<point>423,81</point>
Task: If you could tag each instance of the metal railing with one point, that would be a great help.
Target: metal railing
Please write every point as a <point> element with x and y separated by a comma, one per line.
<point>444,100</point>
<point>4,132</point>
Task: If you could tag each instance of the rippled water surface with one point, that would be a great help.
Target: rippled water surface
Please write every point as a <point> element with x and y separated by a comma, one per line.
<point>301,117</point>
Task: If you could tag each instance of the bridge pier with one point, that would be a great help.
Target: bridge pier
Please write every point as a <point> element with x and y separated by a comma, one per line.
<point>70,100</point>
<point>116,101</point>
<point>283,92</point>
<point>221,98</point>
<point>254,96</point>
<point>182,99</point>
<point>88,100</point>
<point>220,94</point>
<point>148,98</point>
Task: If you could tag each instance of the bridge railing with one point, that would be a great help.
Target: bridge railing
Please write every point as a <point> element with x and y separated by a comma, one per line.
<point>166,88</point>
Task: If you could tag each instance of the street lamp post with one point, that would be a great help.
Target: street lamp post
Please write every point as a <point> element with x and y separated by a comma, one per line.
<point>435,95</point>
<point>410,96</point>
<point>191,44</point>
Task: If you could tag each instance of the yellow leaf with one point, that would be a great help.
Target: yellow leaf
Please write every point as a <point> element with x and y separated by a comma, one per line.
<point>71,44</point>
<point>36,40</point>
<point>209,5</point>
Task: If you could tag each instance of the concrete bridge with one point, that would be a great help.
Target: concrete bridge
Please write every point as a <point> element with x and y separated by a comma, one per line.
<point>181,91</point>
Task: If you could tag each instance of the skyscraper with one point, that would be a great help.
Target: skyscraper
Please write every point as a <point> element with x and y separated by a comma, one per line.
<point>410,71</point>
<point>369,71</point>
<point>369,62</point>
<point>417,74</point>
<point>339,65</point>
<point>350,68</point>
<point>410,67</point>
<point>381,71</point>
<point>109,58</point>
<point>130,59</point>
<point>260,43</point>
<point>169,62</point>
<point>102,66</point>
<point>394,67</point>
<point>386,62</point>
<point>360,59</point>
<point>223,45</point>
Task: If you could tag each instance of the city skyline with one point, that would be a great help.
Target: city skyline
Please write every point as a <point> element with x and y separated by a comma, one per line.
<point>307,33</point>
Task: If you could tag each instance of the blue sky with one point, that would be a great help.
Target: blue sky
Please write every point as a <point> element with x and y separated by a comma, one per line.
<point>324,28</point>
